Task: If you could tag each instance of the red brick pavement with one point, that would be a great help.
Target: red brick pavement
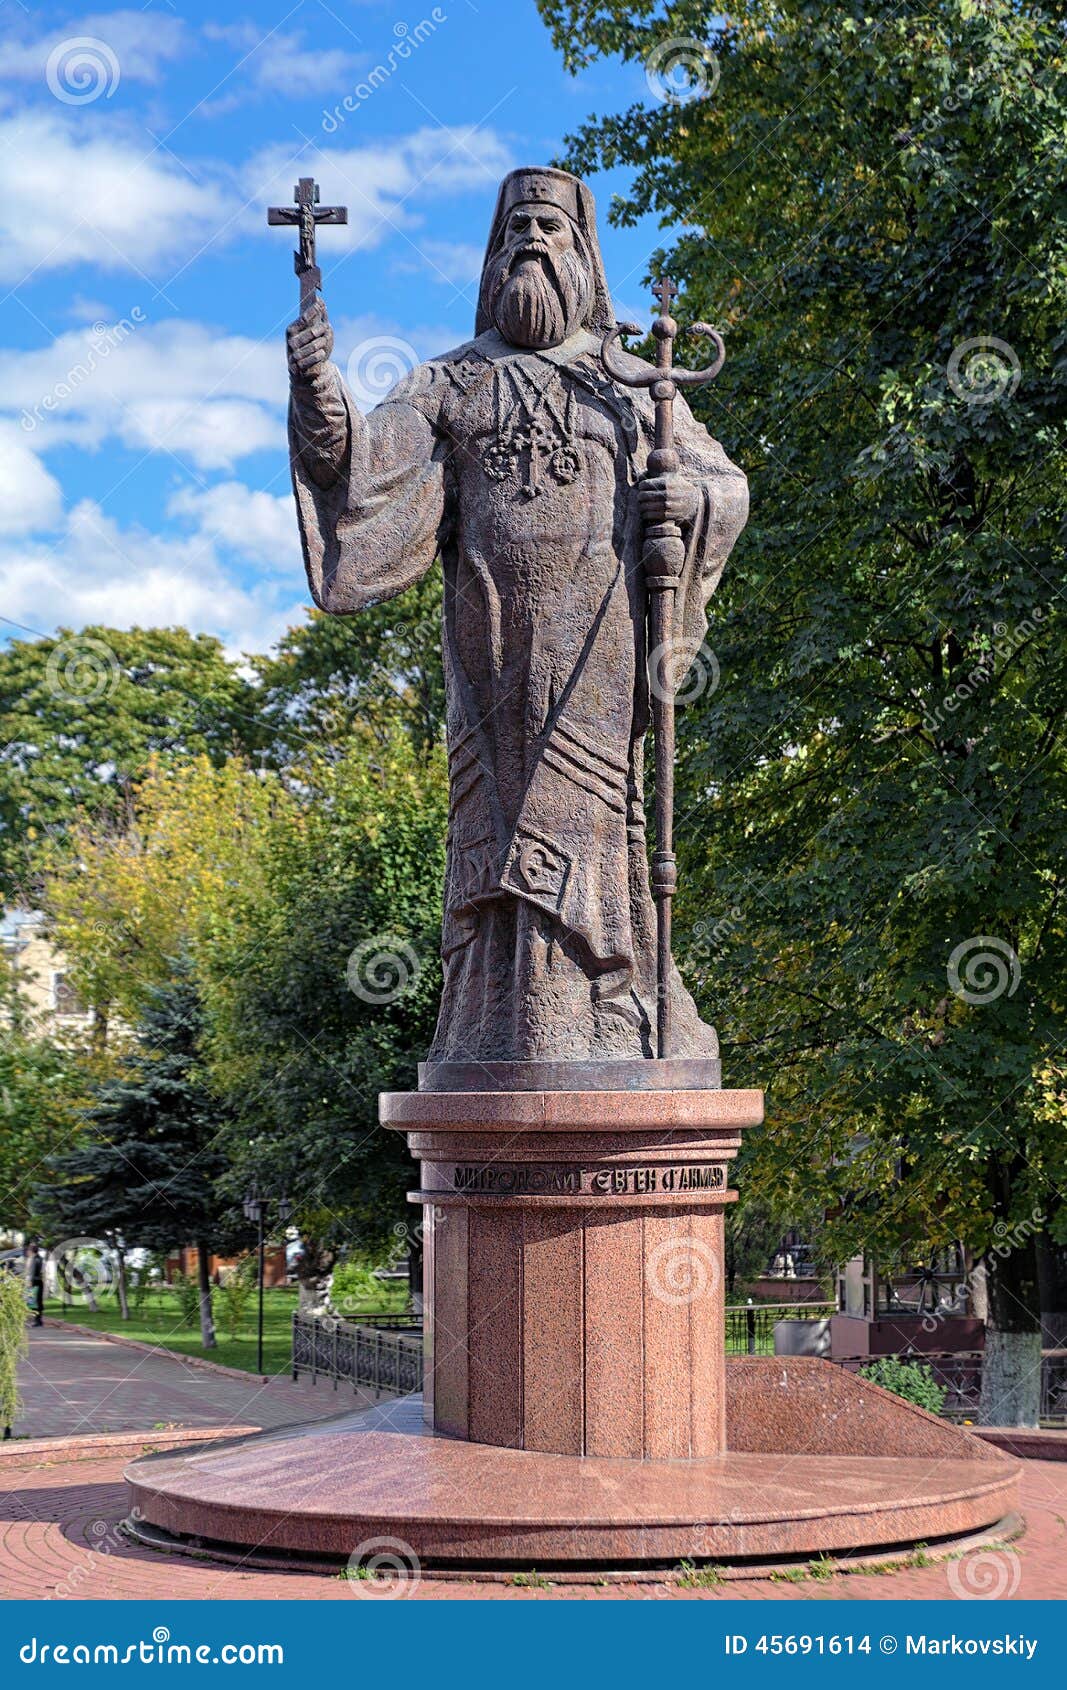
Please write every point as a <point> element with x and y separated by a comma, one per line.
<point>59,1539</point>
<point>72,1384</point>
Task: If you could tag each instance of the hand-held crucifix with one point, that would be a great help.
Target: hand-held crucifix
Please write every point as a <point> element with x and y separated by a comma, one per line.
<point>306,211</point>
<point>662,559</point>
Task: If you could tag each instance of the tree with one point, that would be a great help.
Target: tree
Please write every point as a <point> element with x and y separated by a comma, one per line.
<point>872,798</point>
<point>43,1090</point>
<point>82,713</point>
<point>325,994</point>
<point>310,915</point>
<point>334,677</point>
<point>127,894</point>
<point>149,1169</point>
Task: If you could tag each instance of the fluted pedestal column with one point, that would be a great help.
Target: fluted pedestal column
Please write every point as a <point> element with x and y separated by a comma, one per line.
<point>574,1265</point>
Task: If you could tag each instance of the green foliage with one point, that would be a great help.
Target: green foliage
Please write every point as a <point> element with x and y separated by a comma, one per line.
<point>43,1091</point>
<point>323,992</point>
<point>907,1379</point>
<point>354,1289</point>
<point>694,1576</point>
<point>82,714</point>
<point>141,1281</point>
<point>149,1164</point>
<point>234,1296</point>
<point>335,678</point>
<point>875,792</point>
<point>14,1344</point>
<point>186,1289</point>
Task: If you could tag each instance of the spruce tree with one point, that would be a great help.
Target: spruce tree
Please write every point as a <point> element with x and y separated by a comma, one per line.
<point>146,1174</point>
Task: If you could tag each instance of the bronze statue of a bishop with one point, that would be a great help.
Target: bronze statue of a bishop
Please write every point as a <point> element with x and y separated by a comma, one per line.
<point>521,464</point>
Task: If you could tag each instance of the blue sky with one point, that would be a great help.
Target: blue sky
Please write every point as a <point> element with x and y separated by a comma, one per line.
<point>143,300</point>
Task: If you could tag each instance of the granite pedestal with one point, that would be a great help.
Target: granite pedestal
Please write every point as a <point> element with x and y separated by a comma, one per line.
<point>579,1409</point>
<point>574,1265</point>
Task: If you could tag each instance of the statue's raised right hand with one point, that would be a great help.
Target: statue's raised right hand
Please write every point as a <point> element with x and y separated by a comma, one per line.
<point>309,343</point>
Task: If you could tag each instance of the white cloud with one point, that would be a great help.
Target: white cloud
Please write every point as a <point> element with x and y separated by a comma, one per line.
<point>142,42</point>
<point>206,397</point>
<point>212,436</point>
<point>97,195</point>
<point>246,521</point>
<point>100,572</point>
<point>30,497</point>
<point>281,63</point>
<point>177,386</point>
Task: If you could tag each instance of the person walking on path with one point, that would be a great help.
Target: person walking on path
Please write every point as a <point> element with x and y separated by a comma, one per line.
<point>35,1283</point>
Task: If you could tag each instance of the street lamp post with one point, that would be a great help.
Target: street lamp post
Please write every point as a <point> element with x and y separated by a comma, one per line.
<point>255,1207</point>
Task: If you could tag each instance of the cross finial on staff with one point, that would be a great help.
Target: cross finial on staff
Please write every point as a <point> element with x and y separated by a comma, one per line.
<point>306,211</point>
<point>665,291</point>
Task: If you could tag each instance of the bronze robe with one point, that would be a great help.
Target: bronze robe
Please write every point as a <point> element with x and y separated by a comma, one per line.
<point>518,468</point>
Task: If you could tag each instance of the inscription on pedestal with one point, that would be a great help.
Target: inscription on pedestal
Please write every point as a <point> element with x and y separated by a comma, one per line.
<point>553,1179</point>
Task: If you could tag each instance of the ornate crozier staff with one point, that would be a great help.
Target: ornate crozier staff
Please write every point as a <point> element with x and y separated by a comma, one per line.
<point>307,212</point>
<point>662,560</point>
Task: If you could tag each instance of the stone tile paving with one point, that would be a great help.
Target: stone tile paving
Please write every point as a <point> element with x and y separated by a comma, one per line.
<point>59,1538</point>
<point>59,1514</point>
<point>73,1385</point>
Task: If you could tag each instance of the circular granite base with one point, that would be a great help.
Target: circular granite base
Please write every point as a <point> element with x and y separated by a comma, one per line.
<point>336,1489</point>
<point>789,1569</point>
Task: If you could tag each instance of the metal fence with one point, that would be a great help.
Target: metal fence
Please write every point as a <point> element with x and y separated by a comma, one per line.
<point>375,1353</point>
<point>384,1351</point>
<point>750,1326</point>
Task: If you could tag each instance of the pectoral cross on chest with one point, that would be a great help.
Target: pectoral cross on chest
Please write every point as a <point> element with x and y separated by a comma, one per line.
<point>535,440</point>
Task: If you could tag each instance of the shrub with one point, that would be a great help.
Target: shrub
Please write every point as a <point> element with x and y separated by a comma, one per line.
<point>186,1288</point>
<point>141,1280</point>
<point>907,1379</point>
<point>354,1288</point>
<point>235,1294</point>
<point>13,1343</point>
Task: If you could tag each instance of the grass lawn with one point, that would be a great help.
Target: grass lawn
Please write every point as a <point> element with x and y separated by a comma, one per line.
<point>158,1321</point>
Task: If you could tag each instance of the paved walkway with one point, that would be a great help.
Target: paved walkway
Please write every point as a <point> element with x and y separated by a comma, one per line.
<point>73,1385</point>
<point>59,1538</point>
<point>60,1508</point>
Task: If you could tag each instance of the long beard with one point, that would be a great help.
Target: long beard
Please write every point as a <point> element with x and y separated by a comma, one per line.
<point>538,301</point>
